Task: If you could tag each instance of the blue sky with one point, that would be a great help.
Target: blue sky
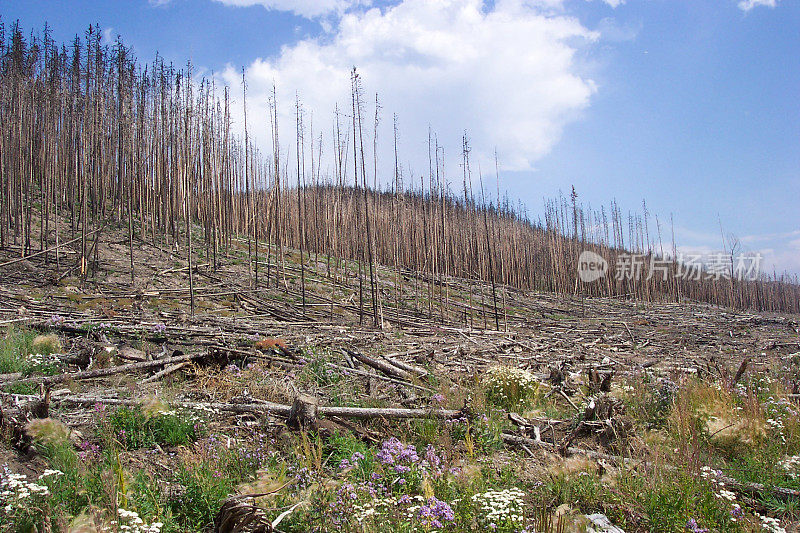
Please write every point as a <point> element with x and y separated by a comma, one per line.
<point>690,105</point>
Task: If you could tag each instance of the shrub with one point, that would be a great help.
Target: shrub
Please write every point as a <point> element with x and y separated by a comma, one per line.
<point>510,387</point>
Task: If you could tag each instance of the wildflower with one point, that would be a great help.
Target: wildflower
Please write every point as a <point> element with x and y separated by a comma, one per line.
<point>692,526</point>
<point>392,451</point>
<point>356,457</point>
<point>49,472</point>
<point>432,460</point>
<point>736,512</point>
<point>726,494</point>
<point>501,507</point>
<point>434,512</point>
<point>771,525</point>
<point>509,386</point>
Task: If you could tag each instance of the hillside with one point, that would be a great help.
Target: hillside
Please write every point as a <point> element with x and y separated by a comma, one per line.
<point>585,406</point>
<point>94,138</point>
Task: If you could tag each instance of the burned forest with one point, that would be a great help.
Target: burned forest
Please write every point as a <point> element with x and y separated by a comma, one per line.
<point>201,334</point>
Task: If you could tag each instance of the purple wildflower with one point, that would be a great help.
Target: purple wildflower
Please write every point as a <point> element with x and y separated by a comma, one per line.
<point>435,512</point>
<point>392,451</point>
<point>692,526</point>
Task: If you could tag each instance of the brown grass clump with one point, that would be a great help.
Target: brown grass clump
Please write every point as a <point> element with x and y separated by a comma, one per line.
<point>46,344</point>
<point>47,430</point>
<point>711,413</point>
<point>573,465</point>
<point>153,406</point>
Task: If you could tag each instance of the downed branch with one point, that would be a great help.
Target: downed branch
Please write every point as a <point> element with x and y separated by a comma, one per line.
<point>525,441</point>
<point>103,372</point>
<point>165,372</point>
<point>384,366</point>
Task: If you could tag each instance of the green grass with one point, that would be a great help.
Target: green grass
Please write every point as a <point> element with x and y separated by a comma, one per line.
<point>18,354</point>
<point>205,488</point>
<point>666,500</point>
<point>15,347</point>
<point>134,428</point>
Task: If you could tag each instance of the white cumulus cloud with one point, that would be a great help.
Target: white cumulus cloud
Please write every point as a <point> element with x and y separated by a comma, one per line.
<point>747,5</point>
<point>506,74</point>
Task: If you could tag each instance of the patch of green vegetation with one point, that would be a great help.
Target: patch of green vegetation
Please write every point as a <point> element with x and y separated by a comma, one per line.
<point>134,428</point>
<point>24,388</point>
<point>650,403</point>
<point>205,488</point>
<point>28,353</point>
<point>148,499</point>
<point>667,500</point>
<point>348,452</point>
<point>318,370</point>
<point>15,347</point>
<point>209,475</point>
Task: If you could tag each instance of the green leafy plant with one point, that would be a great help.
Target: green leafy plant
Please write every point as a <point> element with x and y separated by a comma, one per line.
<point>134,428</point>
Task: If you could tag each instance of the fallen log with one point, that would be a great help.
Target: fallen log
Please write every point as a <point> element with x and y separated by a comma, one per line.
<point>165,372</point>
<point>518,440</point>
<point>385,367</point>
<point>405,366</point>
<point>10,377</point>
<point>277,409</point>
<point>48,250</point>
<point>103,372</point>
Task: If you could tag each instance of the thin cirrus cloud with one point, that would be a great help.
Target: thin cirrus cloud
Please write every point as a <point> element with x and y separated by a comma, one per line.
<point>507,75</point>
<point>304,8</point>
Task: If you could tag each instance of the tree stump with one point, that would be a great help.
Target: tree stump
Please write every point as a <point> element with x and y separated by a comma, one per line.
<point>303,414</point>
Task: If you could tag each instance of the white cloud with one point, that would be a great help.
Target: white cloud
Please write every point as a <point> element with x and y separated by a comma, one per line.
<point>613,31</point>
<point>780,252</point>
<point>783,258</point>
<point>303,8</point>
<point>507,75</point>
<point>107,37</point>
<point>750,239</point>
<point>747,5</point>
<point>614,3</point>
